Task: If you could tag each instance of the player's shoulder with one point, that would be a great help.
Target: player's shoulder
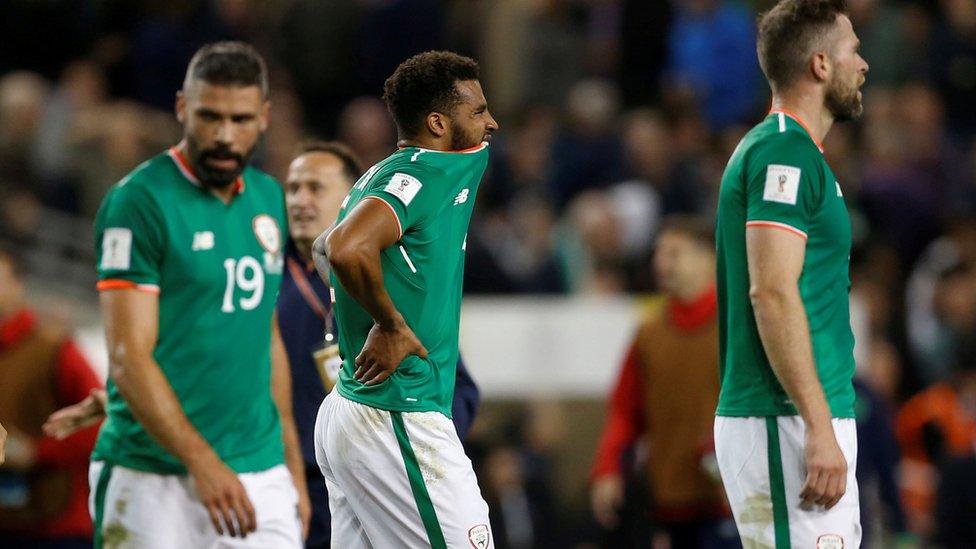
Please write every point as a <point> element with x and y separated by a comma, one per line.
<point>145,182</point>
<point>264,183</point>
<point>774,141</point>
<point>414,162</point>
<point>261,179</point>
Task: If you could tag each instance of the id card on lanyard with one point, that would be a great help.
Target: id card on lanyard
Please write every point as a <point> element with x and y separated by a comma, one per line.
<point>325,355</point>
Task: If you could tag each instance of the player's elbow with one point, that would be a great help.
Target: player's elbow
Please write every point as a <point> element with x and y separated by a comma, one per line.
<point>764,295</point>
<point>342,249</point>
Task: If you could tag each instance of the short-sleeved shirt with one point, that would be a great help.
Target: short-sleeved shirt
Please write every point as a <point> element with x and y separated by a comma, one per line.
<point>431,194</point>
<point>777,177</point>
<point>217,267</point>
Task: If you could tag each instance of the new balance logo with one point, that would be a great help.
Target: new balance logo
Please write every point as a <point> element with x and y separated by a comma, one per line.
<point>462,197</point>
<point>203,240</point>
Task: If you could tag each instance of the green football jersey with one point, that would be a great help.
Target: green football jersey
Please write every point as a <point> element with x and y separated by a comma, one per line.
<point>431,194</point>
<point>217,268</point>
<point>778,177</point>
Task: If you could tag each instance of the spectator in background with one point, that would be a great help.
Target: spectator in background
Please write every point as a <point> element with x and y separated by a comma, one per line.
<point>22,97</point>
<point>44,495</point>
<point>956,506</point>
<point>666,394</point>
<point>586,154</point>
<point>712,56</point>
<point>934,428</point>
<point>364,125</point>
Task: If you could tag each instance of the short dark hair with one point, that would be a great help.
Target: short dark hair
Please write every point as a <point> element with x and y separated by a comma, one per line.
<point>788,34</point>
<point>351,165</point>
<point>228,64</point>
<point>695,227</point>
<point>423,84</point>
<point>12,256</point>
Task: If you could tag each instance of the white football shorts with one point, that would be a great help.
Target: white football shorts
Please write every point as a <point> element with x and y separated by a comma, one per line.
<point>139,510</point>
<point>763,468</point>
<point>397,479</point>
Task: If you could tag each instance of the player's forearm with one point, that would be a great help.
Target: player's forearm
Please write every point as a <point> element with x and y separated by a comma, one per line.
<point>359,270</point>
<point>785,335</point>
<point>156,407</point>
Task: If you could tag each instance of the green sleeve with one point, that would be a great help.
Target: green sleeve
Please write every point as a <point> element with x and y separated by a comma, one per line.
<point>785,186</point>
<point>415,195</point>
<point>129,237</point>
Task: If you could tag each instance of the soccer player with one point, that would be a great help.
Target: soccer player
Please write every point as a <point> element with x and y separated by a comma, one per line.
<point>189,249</point>
<point>785,436</point>
<point>318,180</point>
<point>394,466</point>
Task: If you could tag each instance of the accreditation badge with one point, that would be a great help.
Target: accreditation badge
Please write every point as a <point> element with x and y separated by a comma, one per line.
<point>328,362</point>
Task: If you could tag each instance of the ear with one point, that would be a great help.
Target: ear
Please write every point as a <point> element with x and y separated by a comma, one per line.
<point>437,124</point>
<point>180,107</point>
<point>265,115</point>
<point>820,66</point>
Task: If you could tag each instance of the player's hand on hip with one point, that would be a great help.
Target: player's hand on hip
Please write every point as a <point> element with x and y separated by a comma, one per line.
<point>384,350</point>
<point>225,498</point>
<point>606,499</point>
<point>826,469</point>
<point>70,419</point>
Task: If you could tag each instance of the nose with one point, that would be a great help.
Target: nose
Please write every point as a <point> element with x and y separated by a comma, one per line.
<point>492,124</point>
<point>225,132</point>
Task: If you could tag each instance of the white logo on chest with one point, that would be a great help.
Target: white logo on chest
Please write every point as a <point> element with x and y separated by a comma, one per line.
<point>462,197</point>
<point>203,240</point>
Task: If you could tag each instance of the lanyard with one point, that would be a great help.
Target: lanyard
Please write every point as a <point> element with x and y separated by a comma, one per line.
<point>311,298</point>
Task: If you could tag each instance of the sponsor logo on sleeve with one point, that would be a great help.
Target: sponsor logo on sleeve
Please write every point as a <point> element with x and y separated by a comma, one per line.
<point>117,248</point>
<point>462,197</point>
<point>479,536</point>
<point>782,184</point>
<point>404,187</point>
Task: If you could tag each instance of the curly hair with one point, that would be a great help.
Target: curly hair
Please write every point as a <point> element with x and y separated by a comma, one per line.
<point>790,32</point>
<point>423,84</point>
<point>228,64</point>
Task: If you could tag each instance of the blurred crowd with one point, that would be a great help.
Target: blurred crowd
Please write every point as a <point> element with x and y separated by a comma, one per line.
<point>613,114</point>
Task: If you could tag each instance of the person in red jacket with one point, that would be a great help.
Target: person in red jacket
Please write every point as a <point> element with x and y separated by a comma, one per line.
<point>44,480</point>
<point>666,394</point>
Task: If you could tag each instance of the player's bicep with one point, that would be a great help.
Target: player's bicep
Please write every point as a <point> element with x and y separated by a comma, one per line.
<point>775,258</point>
<point>131,319</point>
<point>372,224</point>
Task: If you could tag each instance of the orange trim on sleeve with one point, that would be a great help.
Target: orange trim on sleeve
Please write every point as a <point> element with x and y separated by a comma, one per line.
<point>777,225</point>
<point>121,284</point>
<point>392,211</point>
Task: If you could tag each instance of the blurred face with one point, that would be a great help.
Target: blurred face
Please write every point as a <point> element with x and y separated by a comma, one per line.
<point>11,289</point>
<point>682,265</point>
<point>843,98</point>
<point>471,123</point>
<point>221,126</point>
<point>314,191</point>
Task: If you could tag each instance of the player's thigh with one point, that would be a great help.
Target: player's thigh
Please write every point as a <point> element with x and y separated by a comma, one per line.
<point>347,531</point>
<point>275,501</point>
<point>135,509</point>
<point>813,525</point>
<point>445,474</point>
<point>366,463</point>
<point>741,448</point>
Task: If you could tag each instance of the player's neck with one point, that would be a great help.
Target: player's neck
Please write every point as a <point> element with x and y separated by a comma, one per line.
<point>809,109</point>
<point>431,143</point>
